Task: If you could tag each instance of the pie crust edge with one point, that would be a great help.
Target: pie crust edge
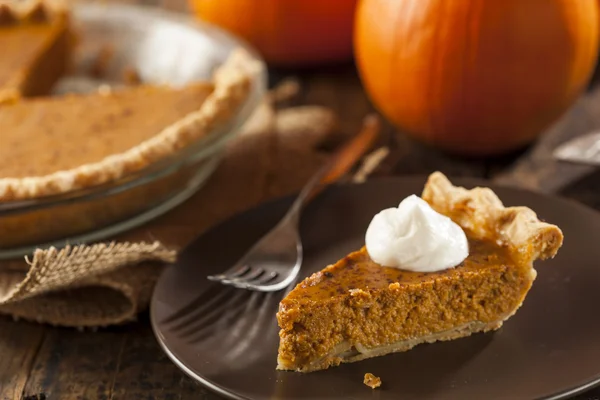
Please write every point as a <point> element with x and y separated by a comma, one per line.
<point>232,86</point>
<point>483,214</point>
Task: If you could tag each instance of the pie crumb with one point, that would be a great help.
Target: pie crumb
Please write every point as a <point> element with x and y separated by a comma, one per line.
<point>372,381</point>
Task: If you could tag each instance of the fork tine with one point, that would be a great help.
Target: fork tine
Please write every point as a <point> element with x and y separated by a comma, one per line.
<point>267,277</point>
<point>251,275</point>
<point>236,271</point>
<point>274,284</point>
<point>263,279</point>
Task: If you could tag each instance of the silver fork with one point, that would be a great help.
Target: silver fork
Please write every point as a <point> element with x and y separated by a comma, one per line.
<point>274,261</point>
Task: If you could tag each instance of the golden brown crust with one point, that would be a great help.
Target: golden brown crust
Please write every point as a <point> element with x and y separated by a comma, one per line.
<point>32,11</point>
<point>482,213</point>
<point>232,87</point>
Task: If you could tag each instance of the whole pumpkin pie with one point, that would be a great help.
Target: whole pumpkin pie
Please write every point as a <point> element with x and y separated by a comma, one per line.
<point>36,43</point>
<point>357,309</point>
<point>65,145</point>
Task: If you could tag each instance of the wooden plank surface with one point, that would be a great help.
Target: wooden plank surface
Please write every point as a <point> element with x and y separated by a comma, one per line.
<point>38,362</point>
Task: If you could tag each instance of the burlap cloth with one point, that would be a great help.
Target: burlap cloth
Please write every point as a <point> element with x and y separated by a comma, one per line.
<point>109,283</point>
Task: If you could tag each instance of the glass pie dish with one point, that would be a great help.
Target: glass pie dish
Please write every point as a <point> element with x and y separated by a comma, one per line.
<point>188,51</point>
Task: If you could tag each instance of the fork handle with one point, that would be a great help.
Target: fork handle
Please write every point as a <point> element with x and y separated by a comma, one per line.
<point>339,164</point>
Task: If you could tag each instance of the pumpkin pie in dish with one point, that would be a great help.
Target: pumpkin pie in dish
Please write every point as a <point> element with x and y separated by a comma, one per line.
<point>62,146</point>
<point>36,43</point>
<point>357,308</point>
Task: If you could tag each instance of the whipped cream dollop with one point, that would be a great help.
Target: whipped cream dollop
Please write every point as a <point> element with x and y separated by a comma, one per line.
<point>415,237</point>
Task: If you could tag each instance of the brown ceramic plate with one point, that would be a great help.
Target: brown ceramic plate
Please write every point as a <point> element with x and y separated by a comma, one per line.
<point>227,339</point>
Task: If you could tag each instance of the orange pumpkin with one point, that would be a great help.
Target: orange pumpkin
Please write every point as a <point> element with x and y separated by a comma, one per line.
<point>476,77</point>
<point>287,32</point>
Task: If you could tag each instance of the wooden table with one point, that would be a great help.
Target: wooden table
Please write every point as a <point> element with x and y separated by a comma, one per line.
<point>125,362</point>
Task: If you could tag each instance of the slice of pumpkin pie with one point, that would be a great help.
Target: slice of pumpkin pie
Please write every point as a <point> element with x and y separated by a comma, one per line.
<point>457,263</point>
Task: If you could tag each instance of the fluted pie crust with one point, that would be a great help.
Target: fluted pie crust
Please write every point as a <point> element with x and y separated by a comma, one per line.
<point>36,45</point>
<point>357,309</point>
